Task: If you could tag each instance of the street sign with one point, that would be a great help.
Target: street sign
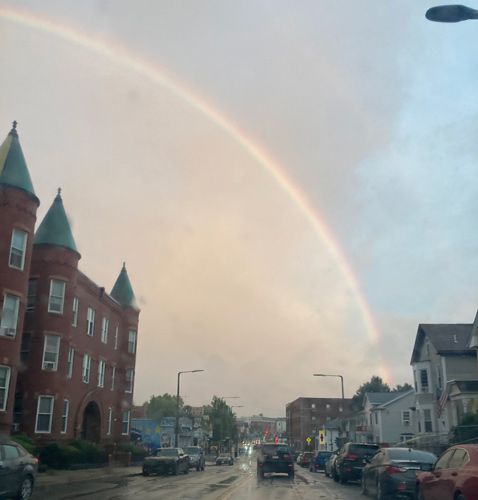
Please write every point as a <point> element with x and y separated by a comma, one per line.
<point>308,440</point>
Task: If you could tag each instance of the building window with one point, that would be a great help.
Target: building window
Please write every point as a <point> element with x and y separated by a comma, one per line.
<point>116,337</point>
<point>8,325</point>
<point>132,344</point>
<point>76,305</point>
<point>25,348</point>
<point>71,359</point>
<point>90,321</point>
<point>341,407</point>
<point>427,346</point>
<point>125,426</point>
<point>4,383</point>
<point>327,406</point>
<point>406,417</point>
<point>312,405</point>
<point>57,296</point>
<point>428,420</point>
<point>104,329</point>
<point>439,379</point>
<point>424,380</point>
<point>64,417</point>
<point>86,368</point>
<point>44,414</point>
<point>51,349</point>
<point>32,294</point>
<point>113,373</point>
<point>101,374</point>
<point>17,250</point>
<point>129,380</point>
<point>376,418</point>
<point>110,420</point>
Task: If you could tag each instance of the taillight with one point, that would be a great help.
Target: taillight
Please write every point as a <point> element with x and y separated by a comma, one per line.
<point>395,470</point>
<point>35,461</point>
<point>287,457</point>
<point>350,457</point>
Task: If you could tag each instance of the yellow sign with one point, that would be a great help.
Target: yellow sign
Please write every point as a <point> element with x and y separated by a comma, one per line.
<point>308,440</point>
<point>322,437</point>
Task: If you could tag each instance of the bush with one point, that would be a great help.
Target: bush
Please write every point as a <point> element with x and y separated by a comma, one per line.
<point>26,442</point>
<point>56,456</point>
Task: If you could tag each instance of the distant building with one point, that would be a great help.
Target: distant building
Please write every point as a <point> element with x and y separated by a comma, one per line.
<point>68,347</point>
<point>306,416</point>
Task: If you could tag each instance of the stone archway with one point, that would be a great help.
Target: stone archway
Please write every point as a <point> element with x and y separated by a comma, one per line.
<point>91,426</point>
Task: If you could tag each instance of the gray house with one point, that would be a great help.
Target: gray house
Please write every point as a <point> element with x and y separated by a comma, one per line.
<point>445,376</point>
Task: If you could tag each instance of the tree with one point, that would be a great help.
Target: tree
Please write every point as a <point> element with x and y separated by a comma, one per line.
<point>159,407</point>
<point>376,384</point>
<point>223,420</point>
<point>403,388</point>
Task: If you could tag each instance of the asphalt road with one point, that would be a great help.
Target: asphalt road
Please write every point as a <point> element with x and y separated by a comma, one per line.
<point>237,482</point>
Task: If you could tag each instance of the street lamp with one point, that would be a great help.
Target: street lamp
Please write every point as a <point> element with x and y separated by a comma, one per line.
<point>451,14</point>
<point>177,407</point>
<point>341,380</point>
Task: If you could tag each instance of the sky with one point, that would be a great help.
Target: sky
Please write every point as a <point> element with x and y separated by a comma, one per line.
<point>290,184</point>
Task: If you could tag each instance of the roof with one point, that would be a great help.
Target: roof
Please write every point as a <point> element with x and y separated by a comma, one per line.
<point>446,339</point>
<point>54,229</point>
<point>122,290</point>
<point>384,398</point>
<point>13,167</point>
<point>466,385</point>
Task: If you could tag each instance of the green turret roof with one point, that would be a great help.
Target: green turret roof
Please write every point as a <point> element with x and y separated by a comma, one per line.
<point>123,291</point>
<point>54,229</point>
<point>13,168</point>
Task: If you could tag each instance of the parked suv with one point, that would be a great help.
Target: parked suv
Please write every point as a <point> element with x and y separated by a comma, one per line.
<point>196,457</point>
<point>275,457</point>
<point>351,459</point>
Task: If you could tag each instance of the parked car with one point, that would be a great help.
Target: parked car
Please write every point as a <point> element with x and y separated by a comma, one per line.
<point>454,476</point>
<point>330,465</point>
<point>306,458</point>
<point>318,461</point>
<point>18,470</point>
<point>299,458</point>
<point>275,457</point>
<point>224,458</point>
<point>392,472</point>
<point>166,460</point>
<point>351,459</point>
<point>197,460</point>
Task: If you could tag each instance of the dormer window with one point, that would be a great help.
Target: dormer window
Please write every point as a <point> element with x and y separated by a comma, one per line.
<point>17,249</point>
<point>427,346</point>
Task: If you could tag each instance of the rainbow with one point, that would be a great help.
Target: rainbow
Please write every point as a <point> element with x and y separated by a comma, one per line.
<point>122,56</point>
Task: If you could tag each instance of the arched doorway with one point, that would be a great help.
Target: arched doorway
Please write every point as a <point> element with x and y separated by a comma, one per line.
<point>91,428</point>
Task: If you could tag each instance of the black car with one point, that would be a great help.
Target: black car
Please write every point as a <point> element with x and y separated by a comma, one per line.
<point>275,457</point>
<point>392,472</point>
<point>196,457</point>
<point>172,460</point>
<point>351,459</point>
<point>224,458</point>
<point>18,471</point>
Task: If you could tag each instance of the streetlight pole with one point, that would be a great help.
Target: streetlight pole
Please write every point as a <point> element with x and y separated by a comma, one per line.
<point>176,442</point>
<point>341,380</point>
<point>235,437</point>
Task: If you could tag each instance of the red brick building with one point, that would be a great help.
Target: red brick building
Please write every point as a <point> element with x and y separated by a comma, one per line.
<point>68,368</point>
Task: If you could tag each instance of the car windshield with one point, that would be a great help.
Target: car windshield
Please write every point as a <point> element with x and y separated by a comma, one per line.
<point>167,452</point>
<point>238,225</point>
<point>412,455</point>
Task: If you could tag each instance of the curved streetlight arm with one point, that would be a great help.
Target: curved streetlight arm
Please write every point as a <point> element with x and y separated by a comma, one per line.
<point>176,427</point>
<point>328,375</point>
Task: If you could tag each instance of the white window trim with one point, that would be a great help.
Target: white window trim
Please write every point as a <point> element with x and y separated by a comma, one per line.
<point>61,297</point>
<point>406,421</point>
<point>38,413</point>
<point>51,366</point>
<point>11,330</point>
<point>6,387</point>
<point>129,389</point>
<point>101,373</point>
<point>86,368</point>
<point>132,341</point>
<point>76,306</point>
<point>23,250</point>
<point>126,413</point>
<point>71,360</point>
<point>110,420</point>
<point>90,321</point>
<point>64,417</point>
<point>113,374</point>
<point>104,329</point>
<point>116,337</point>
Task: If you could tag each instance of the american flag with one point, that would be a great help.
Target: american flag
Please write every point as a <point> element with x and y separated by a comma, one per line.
<point>440,403</point>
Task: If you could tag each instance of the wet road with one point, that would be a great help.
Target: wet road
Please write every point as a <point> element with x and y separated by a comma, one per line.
<point>238,482</point>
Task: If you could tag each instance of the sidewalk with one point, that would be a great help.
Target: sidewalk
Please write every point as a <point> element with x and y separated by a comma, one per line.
<point>58,477</point>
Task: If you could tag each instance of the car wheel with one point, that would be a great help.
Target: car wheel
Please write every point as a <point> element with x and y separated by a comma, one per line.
<point>291,475</point>
<point>364,487</point>
<point>460,496</point>
<point>175,470</point>
<point>198,468</point>
<point>380,493</point>
<point>26,489</point>
<point>420,494</point>
<point>343,478</point>
<point>202,468</point>
<point>187,470</point>
<point>145,472</point>
<point>326,474</point>
<point>336,476</point>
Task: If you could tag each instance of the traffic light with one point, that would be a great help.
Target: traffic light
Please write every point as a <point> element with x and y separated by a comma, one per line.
<point>277,439</point>
<point>267,432</point>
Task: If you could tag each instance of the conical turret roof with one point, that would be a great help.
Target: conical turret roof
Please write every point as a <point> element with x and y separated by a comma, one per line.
<point>122,290</point>
<point>13,167</point>
<point>54,229</point>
